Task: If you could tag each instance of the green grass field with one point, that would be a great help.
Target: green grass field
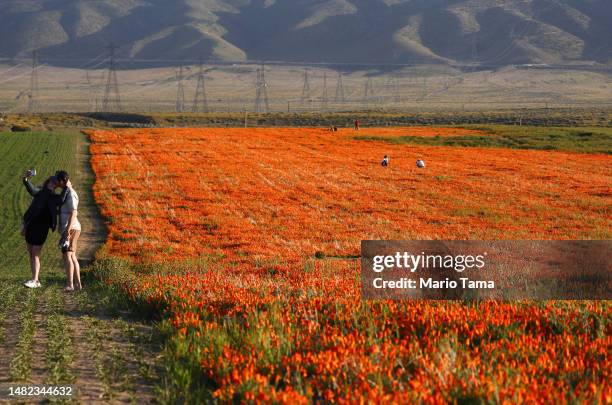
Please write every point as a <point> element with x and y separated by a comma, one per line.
<point>48,336</point>
<point>580,140</point>
<point>46,152</point>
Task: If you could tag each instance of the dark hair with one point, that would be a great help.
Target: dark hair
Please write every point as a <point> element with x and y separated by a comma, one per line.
<point>62,175</point>
<point>49,180</point>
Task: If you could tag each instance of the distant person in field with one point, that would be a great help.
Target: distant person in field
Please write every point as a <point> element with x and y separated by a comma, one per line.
<point>70,230</point>
<point>40,217</point>
<point>385,161</point>
<point>357,123</point>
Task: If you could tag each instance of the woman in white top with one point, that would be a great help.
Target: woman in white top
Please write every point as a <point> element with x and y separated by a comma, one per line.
<point>70,229</point>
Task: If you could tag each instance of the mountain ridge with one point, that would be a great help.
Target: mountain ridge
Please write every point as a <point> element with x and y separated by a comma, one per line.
<point>332,31</point>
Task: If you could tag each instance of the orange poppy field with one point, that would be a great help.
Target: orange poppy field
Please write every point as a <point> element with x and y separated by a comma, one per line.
<point>247,242</point>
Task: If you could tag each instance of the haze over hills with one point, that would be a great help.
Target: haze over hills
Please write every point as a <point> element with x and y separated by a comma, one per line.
<point>493,32</point>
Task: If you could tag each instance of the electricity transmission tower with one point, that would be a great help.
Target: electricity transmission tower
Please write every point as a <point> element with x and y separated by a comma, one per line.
<point>180,91</point>
<point>339,90</point>
<point>392,89</point>
<point>200,101</point>
<point>306,92</point>
<point>324,99</point>
<point>112,99</point>
<point>33,96</point>
<point>368,93</point>
<point>424,88</point>
<point>261,91</point>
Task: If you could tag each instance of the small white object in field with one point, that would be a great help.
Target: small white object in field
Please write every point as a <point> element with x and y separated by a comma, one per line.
<point>420,163</point>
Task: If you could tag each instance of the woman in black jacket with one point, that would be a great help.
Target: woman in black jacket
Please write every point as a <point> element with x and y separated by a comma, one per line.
<point>39,218</point>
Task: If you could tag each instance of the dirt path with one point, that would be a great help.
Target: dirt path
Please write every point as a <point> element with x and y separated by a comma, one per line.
<point>107,358</point>
<point>94,230</point>
<point>90,388</point>
<point>106,362</point>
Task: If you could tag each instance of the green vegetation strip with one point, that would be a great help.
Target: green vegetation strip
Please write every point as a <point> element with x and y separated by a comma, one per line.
<point>8,298</point>
<point>437,114</point>
<point>21,364</point>
<point>60,349</point>
<point>581,140</point>
<point>111,367</point>
<point>47,153</point>
<point>137,345</point>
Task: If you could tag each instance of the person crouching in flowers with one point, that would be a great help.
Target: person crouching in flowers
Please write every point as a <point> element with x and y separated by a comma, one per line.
<point>70,229</point>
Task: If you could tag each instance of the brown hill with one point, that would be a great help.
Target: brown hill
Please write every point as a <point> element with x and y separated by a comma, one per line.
<point>71,32</point>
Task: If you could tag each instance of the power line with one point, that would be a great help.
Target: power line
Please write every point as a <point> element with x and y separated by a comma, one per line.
<point>180,91</point>
<point>93,101</point>
<point>112,99</point>
<point>392,89</point>
<point>10,69</point>
<point>424,90</point>
<point>324,99</point>
<point>306,91</point>
<point>200,101</point>
<point>339,90</point>
<point>18,76</point>
<point>368,93</point>
<point>261,91</point>
<point>33,96</point>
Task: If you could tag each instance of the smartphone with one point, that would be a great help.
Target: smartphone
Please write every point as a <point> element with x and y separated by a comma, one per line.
<point>32,172</point>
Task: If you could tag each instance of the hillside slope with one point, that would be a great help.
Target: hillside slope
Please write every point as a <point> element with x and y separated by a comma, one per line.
<point>339,31</point>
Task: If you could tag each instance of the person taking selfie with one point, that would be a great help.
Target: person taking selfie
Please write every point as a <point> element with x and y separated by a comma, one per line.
<point>40,217</point>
